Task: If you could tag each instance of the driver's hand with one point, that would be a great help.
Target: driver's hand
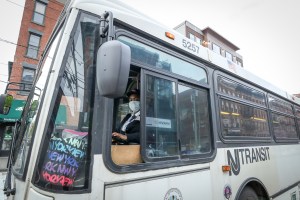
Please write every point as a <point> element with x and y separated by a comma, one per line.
<point>119,135</point>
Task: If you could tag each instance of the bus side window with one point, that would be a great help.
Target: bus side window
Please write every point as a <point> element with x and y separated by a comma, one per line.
<point>161,126</point>
<point>194,125</point>
<point>122,152</point>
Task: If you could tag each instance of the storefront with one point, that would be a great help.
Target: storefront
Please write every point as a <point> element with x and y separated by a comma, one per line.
<point>7,123</point>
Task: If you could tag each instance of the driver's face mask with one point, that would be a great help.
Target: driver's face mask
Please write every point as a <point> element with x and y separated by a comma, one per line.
<point>134,106</point>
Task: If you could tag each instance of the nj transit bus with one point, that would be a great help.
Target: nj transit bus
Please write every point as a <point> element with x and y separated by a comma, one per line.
<point>208,128</point>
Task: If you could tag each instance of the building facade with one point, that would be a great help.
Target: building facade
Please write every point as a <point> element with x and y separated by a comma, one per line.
<point>211,39</point>
<point>39,18</point>
<point>38,21</point>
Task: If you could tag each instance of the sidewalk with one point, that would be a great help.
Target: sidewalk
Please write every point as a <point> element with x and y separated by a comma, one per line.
<point>2,179</point>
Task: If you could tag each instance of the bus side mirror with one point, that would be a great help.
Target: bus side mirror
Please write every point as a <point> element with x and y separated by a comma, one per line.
<point>5,103</point>
<point>113,65</point>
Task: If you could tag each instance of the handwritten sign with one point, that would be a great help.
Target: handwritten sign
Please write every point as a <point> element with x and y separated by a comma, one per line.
<point>65,156</point>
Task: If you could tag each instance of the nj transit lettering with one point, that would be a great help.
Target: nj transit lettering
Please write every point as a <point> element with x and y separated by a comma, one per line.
<point>246,156</point>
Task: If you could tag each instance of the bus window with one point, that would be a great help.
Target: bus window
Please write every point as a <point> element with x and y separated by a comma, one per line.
<point>121,104</point>
<point>280,105</point>
<point>283,121</point>
<point>284,127</point>
<point>65,158</point>
<point>297,111</point>
<point>23,140</point>
<point>194,126</point>
<point>6,133</point>
<point>158,59</point>
<point>161,125</point>
<point>297,114</point>
<point>177,119</point>
<point>243,120</point>
<point>127,152</point>
<point>240,91</point>
<point>298,123</point>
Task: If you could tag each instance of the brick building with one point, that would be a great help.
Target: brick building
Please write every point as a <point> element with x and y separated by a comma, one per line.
<point>39,18</point>
<point>212,40</point>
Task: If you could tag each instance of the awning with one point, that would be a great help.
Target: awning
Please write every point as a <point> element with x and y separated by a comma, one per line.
<point>17,109</point>
<point>14,112</point>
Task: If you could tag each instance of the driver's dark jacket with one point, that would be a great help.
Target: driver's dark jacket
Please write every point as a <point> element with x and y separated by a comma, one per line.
<point>132,130</point>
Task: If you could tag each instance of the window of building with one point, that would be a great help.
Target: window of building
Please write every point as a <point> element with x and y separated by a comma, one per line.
<point>192,37</point>
<point>195,38</point>
<point>216,48</point>
<point>239,63</point>
<point>39,12</point>
<point>33,45</point>
<point>27,78</point>
<point>228,56</point>
<point>198,40</point>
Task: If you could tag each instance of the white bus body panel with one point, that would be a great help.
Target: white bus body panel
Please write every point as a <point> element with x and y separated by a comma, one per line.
<point>33,195</point>
<point>189,181</point>
<point>277,171</point>
<point>292,194</point>
<point>191,186</point>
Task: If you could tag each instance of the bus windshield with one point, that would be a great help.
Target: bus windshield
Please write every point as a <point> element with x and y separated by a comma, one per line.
<point>24,138</point>
<point>64,161</point>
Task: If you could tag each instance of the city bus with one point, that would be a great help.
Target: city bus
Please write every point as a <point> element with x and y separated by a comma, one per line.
<point>208,128</point>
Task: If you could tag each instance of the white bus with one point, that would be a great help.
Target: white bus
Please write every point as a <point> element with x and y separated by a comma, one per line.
<point>208,129</point>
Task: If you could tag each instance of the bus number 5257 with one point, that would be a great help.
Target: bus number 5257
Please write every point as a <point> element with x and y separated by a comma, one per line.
<point>190,46</point>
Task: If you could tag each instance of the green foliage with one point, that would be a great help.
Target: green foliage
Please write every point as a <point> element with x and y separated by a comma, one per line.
<point>8,101</point>
<point>34,105</point>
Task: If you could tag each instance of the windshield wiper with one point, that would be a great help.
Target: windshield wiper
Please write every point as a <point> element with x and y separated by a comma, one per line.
<point>8,190</point>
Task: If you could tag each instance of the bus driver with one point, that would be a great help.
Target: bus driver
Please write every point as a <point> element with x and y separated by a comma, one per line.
<point>128,131</point>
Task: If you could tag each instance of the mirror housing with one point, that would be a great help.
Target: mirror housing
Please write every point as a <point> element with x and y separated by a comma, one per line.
<point>113,65</point>
<point>5,103</point>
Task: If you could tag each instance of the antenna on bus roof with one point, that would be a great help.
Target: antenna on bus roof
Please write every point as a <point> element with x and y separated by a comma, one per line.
<point>106,26</point>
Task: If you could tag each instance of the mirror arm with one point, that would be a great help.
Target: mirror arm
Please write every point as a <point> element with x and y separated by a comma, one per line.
<point>107,28</point>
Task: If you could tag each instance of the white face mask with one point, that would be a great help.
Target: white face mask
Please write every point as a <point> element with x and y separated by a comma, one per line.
<point>134,106</point>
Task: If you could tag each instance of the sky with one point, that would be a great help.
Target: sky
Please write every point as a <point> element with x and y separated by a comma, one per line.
<point>266,31</point>
<point>10,21</point>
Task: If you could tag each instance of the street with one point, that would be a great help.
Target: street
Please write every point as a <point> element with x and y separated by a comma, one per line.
<point>2,180</point>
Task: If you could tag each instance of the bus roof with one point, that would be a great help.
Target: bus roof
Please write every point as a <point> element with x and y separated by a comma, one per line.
<point>129,15</point>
